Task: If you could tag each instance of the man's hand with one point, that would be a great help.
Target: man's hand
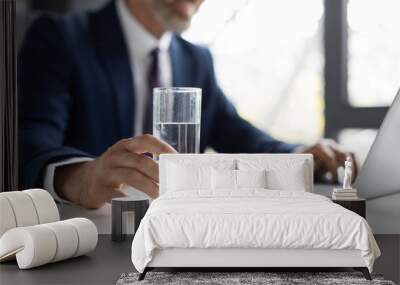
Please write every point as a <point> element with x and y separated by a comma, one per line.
<point>92,184</point>
<point>328,156</point>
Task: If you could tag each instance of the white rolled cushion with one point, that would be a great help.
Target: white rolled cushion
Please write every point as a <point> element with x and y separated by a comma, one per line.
<point>67,240</point>
<point>23,208</point>
<point>33,246</point>
<point>182,177</point>
<point>87,235</point>
<point>46,208</point>
<point>40,244</point>
<point>251,178</point>
<point>7,218</point>
<point>223,179</point>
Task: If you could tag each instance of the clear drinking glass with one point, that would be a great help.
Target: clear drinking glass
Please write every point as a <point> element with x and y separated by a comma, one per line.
<point>176,117</point>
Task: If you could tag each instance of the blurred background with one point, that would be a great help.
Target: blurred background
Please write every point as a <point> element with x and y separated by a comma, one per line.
<point>300,70</point>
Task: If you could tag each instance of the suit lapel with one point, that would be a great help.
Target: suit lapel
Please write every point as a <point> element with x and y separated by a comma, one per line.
<point>180,60</point>
<point>110,45</point>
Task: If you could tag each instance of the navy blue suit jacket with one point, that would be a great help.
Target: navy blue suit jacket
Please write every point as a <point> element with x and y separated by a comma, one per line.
<point>77,98</point>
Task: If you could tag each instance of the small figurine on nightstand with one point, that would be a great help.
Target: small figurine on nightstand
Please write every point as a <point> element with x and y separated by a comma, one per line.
<point>346,192</point>
<point>348,173</point>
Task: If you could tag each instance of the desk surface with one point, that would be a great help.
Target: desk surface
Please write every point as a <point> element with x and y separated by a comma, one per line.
<point>102,266</point>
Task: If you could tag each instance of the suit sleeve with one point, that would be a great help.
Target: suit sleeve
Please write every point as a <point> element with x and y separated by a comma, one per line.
<point>231,133</point>
<point>44,76</point>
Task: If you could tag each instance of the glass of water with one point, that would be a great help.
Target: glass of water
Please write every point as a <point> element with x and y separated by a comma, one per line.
<point>176,117</point>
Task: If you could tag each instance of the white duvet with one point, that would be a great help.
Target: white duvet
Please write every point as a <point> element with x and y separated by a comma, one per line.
<point>250,219</point>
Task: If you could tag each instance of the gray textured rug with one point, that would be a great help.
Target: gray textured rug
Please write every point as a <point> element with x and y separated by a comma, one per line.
<point>230,278</point>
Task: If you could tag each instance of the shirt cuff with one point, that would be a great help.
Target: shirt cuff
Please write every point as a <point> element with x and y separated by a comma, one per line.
<point>300,148</point>
<point>49,175</point>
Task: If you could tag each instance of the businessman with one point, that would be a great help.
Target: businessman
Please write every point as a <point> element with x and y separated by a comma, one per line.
<point>84,84</point>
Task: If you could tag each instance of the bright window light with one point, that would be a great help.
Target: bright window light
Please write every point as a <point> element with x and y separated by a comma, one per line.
<point>374,51</point>
<point>268,60</point>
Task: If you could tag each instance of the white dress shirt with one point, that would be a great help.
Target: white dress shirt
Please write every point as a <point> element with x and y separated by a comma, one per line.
<point>140,43</point>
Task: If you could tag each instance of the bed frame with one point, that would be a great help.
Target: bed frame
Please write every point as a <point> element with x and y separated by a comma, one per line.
<point>236,259</point>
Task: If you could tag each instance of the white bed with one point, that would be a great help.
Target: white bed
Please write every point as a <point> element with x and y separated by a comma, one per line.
<point>203,218</point>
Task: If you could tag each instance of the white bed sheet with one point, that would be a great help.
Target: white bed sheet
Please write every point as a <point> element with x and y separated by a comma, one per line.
<point>250,219</point>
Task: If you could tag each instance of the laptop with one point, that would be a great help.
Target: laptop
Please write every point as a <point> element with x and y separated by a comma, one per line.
<point>380,174</point>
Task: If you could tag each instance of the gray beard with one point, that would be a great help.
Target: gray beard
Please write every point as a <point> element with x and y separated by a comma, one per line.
<point>171,22</point>
<point>177,26</point>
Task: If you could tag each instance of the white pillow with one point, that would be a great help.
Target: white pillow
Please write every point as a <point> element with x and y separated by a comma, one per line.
<point>223,179</point>
<point>251,178</point>
<point>282,174</point>
<point>229,180</point>
<point>293,179</point>
<point>183,177</point>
